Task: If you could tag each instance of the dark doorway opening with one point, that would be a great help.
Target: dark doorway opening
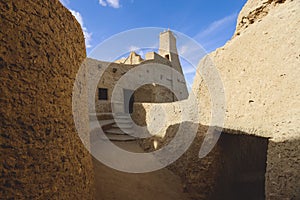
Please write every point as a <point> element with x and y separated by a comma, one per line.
<point>128,101</point>
<point>167,56</point>
<point>242,167</point>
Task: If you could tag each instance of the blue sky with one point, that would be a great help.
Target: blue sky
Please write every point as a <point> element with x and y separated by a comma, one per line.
<point>211,23</point>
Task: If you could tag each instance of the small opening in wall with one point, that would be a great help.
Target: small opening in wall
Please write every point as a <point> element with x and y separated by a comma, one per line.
<point>102,94</point>
<point>167,56</point>
<point>243,168</point>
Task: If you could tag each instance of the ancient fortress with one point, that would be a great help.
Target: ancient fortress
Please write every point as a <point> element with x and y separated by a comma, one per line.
<point>172,81</point>
<point>42,156</point>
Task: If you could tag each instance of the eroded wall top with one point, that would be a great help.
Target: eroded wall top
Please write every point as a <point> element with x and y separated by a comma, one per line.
<point>259,68</point>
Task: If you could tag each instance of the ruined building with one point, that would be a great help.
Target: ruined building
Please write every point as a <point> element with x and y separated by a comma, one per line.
<point>258,153</point>
<point>172,78</point>
<point>42,156</point>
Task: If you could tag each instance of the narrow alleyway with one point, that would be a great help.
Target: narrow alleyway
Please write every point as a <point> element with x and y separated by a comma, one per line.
<point>115,185</point>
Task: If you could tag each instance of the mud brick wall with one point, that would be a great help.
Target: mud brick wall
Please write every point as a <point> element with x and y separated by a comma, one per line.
<point>283,172</point>
<point>42,157</point>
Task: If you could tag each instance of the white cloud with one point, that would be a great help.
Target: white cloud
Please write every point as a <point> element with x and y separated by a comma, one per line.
<point>111,3</point>
<point>133,48</point>
<point>188,69</point>
<point>87,35</point>
<point>102,3</point>
<point>183,49</point>
<point>137,50</point>
<point>141,53</point>
<point>65,2</point>
<point>191,53</point>
<point>217,32</point>
<point>217,26</point>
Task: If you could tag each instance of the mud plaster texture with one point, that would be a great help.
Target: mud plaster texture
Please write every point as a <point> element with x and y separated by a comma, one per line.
<point>234,169</point>
<point>259,69</point>
<point>42,157</point>
<point>106,75</point>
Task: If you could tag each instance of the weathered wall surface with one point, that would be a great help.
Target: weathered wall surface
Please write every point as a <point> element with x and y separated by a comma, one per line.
<point>234,169</point>
<point>160,116</point>
<point>283,170</point>
<point>42,157</point>
<point>132,59</point>
<point>259,68</point>
<point>103,75</point>
<point>106,75</point>
<point>155,94</point>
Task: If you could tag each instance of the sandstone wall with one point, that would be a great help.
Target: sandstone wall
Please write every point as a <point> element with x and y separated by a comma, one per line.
<point>283,170</point>
<point>103,74</point>
<point>234,169</point>
<point>154,93</point>
<point>42,157</point>
<point>160,116</point>
<point>259,68</point>
<point>106,75</point>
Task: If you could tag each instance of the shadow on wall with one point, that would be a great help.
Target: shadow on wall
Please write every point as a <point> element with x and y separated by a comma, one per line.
<point>234,169</point>
<point>154,94</point>
<point>139,114</point>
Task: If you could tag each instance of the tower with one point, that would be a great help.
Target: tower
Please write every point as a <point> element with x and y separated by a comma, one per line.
<point>168,49</point>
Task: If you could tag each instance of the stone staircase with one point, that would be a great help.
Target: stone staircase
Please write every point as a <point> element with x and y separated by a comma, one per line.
<point>119,129</point>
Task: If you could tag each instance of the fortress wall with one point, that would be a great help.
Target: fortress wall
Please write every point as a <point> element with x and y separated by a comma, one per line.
<point>103,75</point>
<point>42,47</point>
<point>234,169</point>
<point>171,78</point>
<point>163,115</point>
<point>155,94</point>
<point>153,56</point>
<point>283,171</point>
<point>259,68</point>
<point>106,75</point>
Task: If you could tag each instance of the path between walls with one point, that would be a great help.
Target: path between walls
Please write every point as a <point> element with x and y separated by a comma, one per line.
<point>111,184</point>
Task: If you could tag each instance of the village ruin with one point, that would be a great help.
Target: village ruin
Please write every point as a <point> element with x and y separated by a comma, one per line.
<point>44,157</point>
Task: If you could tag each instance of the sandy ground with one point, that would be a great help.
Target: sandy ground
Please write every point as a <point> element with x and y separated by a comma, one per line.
<point>116,185</point>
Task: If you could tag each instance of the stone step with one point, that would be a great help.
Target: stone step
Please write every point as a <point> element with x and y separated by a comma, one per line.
<point>118,131</point>
<point>123,121</point>
<point>112,137</point>
<point>95,124</point>
<point>106,122</point>
<point>122,116</point>
<point>121,138</point>
<point>123,125</point>
<point>96,116</point>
